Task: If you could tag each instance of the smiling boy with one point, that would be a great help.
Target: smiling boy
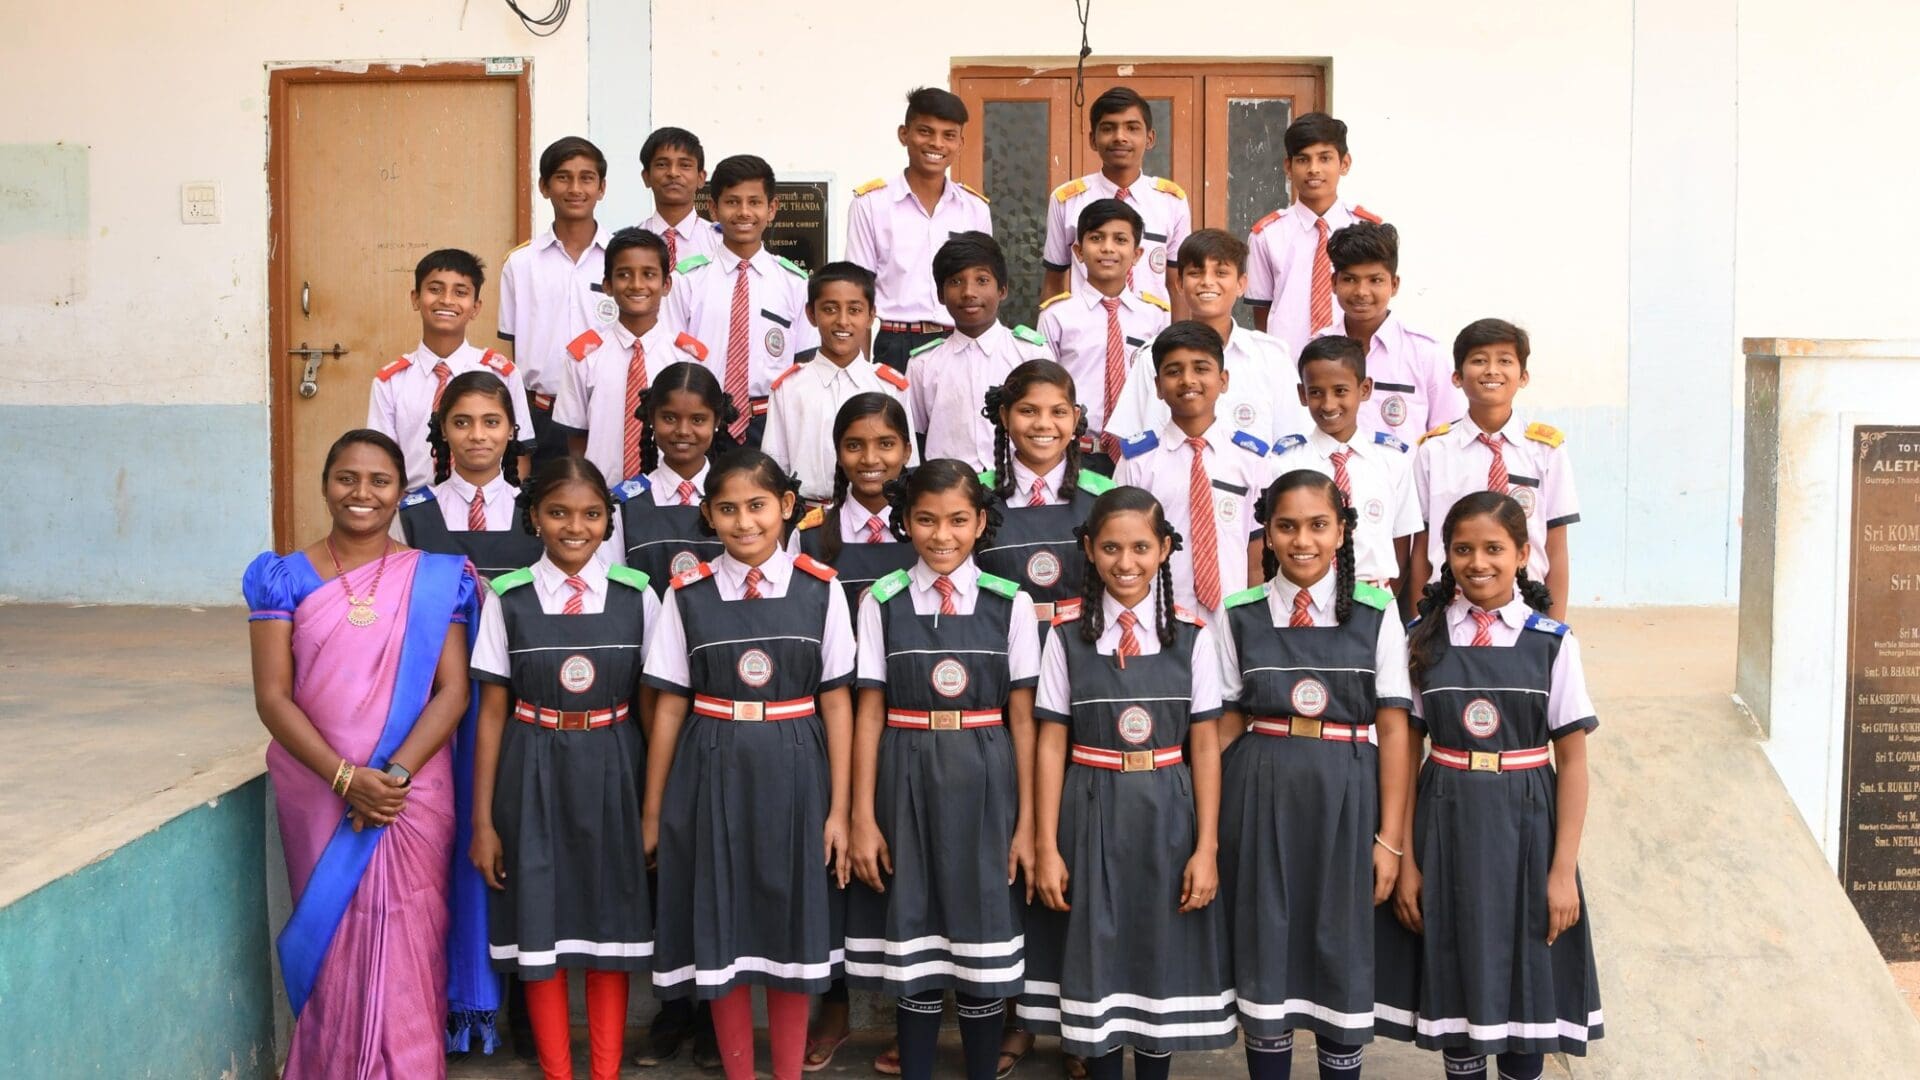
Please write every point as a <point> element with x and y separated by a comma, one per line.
<point>1289,274</point>
<point>1412,376</point>
<point>673,166</point>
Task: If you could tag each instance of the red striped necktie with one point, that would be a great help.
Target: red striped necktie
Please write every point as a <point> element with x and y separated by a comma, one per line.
<point>630,434</point>
<point>1321,298</point>
<point>754,578</point>
<point>1497,479</point>
<point>1482,623</point>
<point>1301,616</point>
<point>1206,539</point>
<point>945,587</point>
<point>738,327</point>
<point>477,511</point>
<point>1129,644</point>
<point>576,604</point>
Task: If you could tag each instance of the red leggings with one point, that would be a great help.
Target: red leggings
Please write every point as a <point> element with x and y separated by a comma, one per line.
<point>786,1029</point>
<point>553,1028</point>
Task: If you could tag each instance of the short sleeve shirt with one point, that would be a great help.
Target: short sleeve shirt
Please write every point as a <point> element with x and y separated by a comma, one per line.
<point>1380,475</point>
<point>701,304</point>
<point>1455,463</point>
<point>800,412</point>
<point>1262,396</point>
<point>1054,694</point>
<point>890,233</point>
<point>1413,390</point>
<point>666,661</point>
<point>949,388</point>
<point>1163,210</point>
<point>1023,633</point>
<point>1075,327</point>
<point>1569,705</point>
<point>547,300</point>
<point>1280,268</point>
<point>1391,687</point>
<point>1236,475</point>
<point>491,648</point>
<point>400,405</point>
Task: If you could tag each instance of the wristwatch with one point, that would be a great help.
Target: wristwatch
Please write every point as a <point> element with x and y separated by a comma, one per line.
<point>399,772</point>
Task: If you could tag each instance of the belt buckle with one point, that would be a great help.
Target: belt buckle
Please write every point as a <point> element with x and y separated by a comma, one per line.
<point>1302,727</point>
<point>1483,761</point>
<point>1043,612</point>
<point>1136,761</point>
<point>573,721</point>
<point>944,720</point>
<point>750,711</point>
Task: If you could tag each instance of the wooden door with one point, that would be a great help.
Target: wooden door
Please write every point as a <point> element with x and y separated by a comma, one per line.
<point>1176,145</point>
<point>367,174</point>
<point>1246,119</point>
<point>1020,149</point>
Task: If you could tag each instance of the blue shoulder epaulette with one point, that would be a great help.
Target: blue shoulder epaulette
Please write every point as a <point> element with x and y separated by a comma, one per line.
<point>1250,443</point>
<point>417,496</point>
<point>627,489</point>
<point>1139,444</point>
<point>1288,442</point>
<point>1384,439</point>
<point>1537,621</point>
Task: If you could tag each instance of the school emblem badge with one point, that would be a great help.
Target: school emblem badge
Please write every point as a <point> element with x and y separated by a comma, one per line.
<point>1043,568</point>
<point>1243,415</point>
<point>1157,259</point>
<point>1525,496</point>
<point>1135,725</point>
<point>1309,698</point>
<point>682,562</point>
<point>607,309</point>
<point>949,678</point>
<point>776,341</point>
<point>1394,410</point>
<point>1375,510</point>
<point>576,674</point>
<point>1226,508</point>
<point>755,668</point>
<point>1481,718</point>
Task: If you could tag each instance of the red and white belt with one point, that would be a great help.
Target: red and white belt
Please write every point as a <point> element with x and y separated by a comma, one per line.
<point>541,401</point>
<point>945,719</point>
<point>1301,727</point>
<point>1126,760</point>
<point>1488,760</point>
<point>564,720</point>
<point>914,328</point>
<point>757,406</point>
<point>751,711</point>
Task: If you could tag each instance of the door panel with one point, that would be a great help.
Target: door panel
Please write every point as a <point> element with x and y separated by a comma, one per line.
<point>1020,152</point>
<point>1247,118</point>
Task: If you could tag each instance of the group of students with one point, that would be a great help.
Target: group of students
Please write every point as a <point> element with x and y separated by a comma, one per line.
<point>1058,667</point>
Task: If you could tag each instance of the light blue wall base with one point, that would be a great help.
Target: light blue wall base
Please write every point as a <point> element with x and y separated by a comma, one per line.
<point>151,962</point>
<point>132,504</point>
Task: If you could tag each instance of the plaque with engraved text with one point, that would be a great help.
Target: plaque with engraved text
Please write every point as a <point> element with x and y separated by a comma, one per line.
<point>799,229</point>
<point>1880,820</point>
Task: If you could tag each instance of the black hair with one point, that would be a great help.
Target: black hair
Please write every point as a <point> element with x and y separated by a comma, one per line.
<point>1364,242</point>
<point>965,250</point>
<point>1338,348</point>
<point>933,477</point>
<point>736,170</point>
<point>1120,500</point>
<point>369,437</point>
<point>1342,510</point>
<point>867,403</point>
<point>936,103</point>
<point>1427,641</point>
<point>486,384</point>
<point>635,237</point>
<point>695,379</point>
<point>841,270</point>
<point>1189,334</point>
<point>572,146</point>
<point>672,138</point>
<point>1315,128</point>
<point>1216,244</point>
<point>1101,211</point>
<point>762,470</point>
<point>558,473</point>
<point>464,263</point>
<point>1118,100</point>
<point>1026,376</point>
<point>1481,333</point>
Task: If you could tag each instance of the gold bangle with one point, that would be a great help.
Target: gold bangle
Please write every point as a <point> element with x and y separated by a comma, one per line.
<point>1391,850</point>
<point>342,778</point>
<point>339,771</point>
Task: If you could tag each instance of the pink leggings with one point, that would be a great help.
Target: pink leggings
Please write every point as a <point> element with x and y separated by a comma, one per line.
<point>786,1029</point>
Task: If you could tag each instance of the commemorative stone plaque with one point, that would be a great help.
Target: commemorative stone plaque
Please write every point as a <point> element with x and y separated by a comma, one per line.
<point>799,229</point>
<point>1880,825</point>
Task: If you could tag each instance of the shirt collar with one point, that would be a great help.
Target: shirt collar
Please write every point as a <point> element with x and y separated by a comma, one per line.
<point>1143,611</point>
<point>554,580</point>
<point>1173,436</point>
<point>948,193</point>
<point>622,338</point>
<point>601,236</point>
<point>1091,297</point>
<point>996,338</point>
<point>1280,594</point>
<point>1514,612</point>
<point>1024,477</point>
<point>468,354</point>
<point>1328,445</point>
<point>964,577</point>
<point>1305,218</point>
<point>826,371</point>
<point>1106,188</point>
<point>853,521</point>
<point>666,484</point>
<point>492,489</point>
<point>1515,425</point>
<point>687,228</point>
<point>762,261</point>
<point>776,570</point>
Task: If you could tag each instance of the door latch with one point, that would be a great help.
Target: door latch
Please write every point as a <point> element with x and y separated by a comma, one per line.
<point>309,378</point>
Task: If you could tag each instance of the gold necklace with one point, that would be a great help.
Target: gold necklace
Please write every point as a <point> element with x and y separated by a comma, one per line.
<point>360,611</point>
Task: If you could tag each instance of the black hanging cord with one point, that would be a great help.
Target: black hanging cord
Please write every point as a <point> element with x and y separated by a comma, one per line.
<point>1083,8</point>
<point>542,25</point>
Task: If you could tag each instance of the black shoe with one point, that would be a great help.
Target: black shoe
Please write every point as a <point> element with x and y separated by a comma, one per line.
<point>706,1048</point>
<point>672,1027</point>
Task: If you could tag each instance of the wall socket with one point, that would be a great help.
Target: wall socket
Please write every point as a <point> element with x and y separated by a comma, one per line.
<point>200,203</point>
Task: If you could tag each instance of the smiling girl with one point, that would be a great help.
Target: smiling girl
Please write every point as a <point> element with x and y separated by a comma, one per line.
<point>684,417</point>
<point>470,508</point>
<point>854,532</point>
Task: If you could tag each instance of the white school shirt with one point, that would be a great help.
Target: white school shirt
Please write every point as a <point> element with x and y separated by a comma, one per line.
<point>455,494</point>
<point>1163,210</point>
<point>1380,472</point>
<point>1280,267</point>
<point>1023,633</point>
<point>1262,396</point>
<point>1391,686</point>
<point>666,662</point>
<point>401,401</point>
<point>800,411</point>
<point>853,526</point>
<point>1412,374</point>
<point>1569,706</point>
<point>1054,694</point>
<point>1238,475</point>
<point>491,648</point>
<point>547,300</point>
<point>891,234</point>
<point>949,388</point>
<point>1075,326</point>
<point>1024,477</point>
<point>663,490</point>
<point>1450,464</point>
<point>593,387</point>
<point>694,235</point>
<point>701,304</point>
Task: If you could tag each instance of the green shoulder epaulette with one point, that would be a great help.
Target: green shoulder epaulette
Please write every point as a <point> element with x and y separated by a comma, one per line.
<point>1372,595</point>
<point>890,586</point>
<point>628,576</point>
<point>798,270</point>
<point>988,478</point>
<point>1245,597</point>
<point>1029,335</point>
<point>512,580</point>
<point>1093,483</point>
<point>927,346</point>
<point>691,262</point>
<point>995,583</point>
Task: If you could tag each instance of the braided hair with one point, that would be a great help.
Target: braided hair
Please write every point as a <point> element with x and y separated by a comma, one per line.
<point>486,384</point>
<point>1121,500</point>
<point>1342,511</point>
<point>1008,394</point>
<point>868,403</point>
<point>694,379</point>
<point>558,473</point>
<point>1428,641</point>
<point>762,470</point>
<point>933,477</point>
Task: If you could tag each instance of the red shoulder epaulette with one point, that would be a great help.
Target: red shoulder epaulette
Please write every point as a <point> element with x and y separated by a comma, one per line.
<point>698,573</point>
<point>785,375</point>
<point>890,377</point>
<point>1066,611</point>
<point>691,344</point>
<point>579,347</point>
<point>1266,221</point>
<point>1186,616</point>
<point>497,362</point>
<point>1365,214</point>
<point>393,369</point>
<point>817,569</point>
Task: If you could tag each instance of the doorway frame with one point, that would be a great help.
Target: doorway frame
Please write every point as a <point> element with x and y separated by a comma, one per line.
<point>280,82</point>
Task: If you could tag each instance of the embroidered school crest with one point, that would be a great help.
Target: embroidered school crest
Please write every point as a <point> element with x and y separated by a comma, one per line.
<point>1375,510</point>
<point>1309,698</point>
<point>1135,725</point>
<point>949,678</point>
<point>576,674</point>
<point>607,309</point>
<point>682,562</point>
<point>1043,568</point>
<point>776,341</point>
<point>1243,414</point>
<point>1394,410</point>
<point>1526,497</point>
<point>1481,718</point>
<point>755,668</point>
<point>1157,259</point>
<point>1226,509</point>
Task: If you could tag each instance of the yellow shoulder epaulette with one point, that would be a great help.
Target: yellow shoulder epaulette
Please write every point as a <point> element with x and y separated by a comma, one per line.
<point>1546,433</point>
<point>513,249</point>
<point>1069,189</point>
<point>1155,301</point>
<point>1170,188</point>
<point>813,519</point>
<point>1436,432</point>
<point>874,184</point>
<point>1055,299</point>
<point>973,191</point>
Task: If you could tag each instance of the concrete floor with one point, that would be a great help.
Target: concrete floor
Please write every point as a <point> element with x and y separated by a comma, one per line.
<point>1726,945</point>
